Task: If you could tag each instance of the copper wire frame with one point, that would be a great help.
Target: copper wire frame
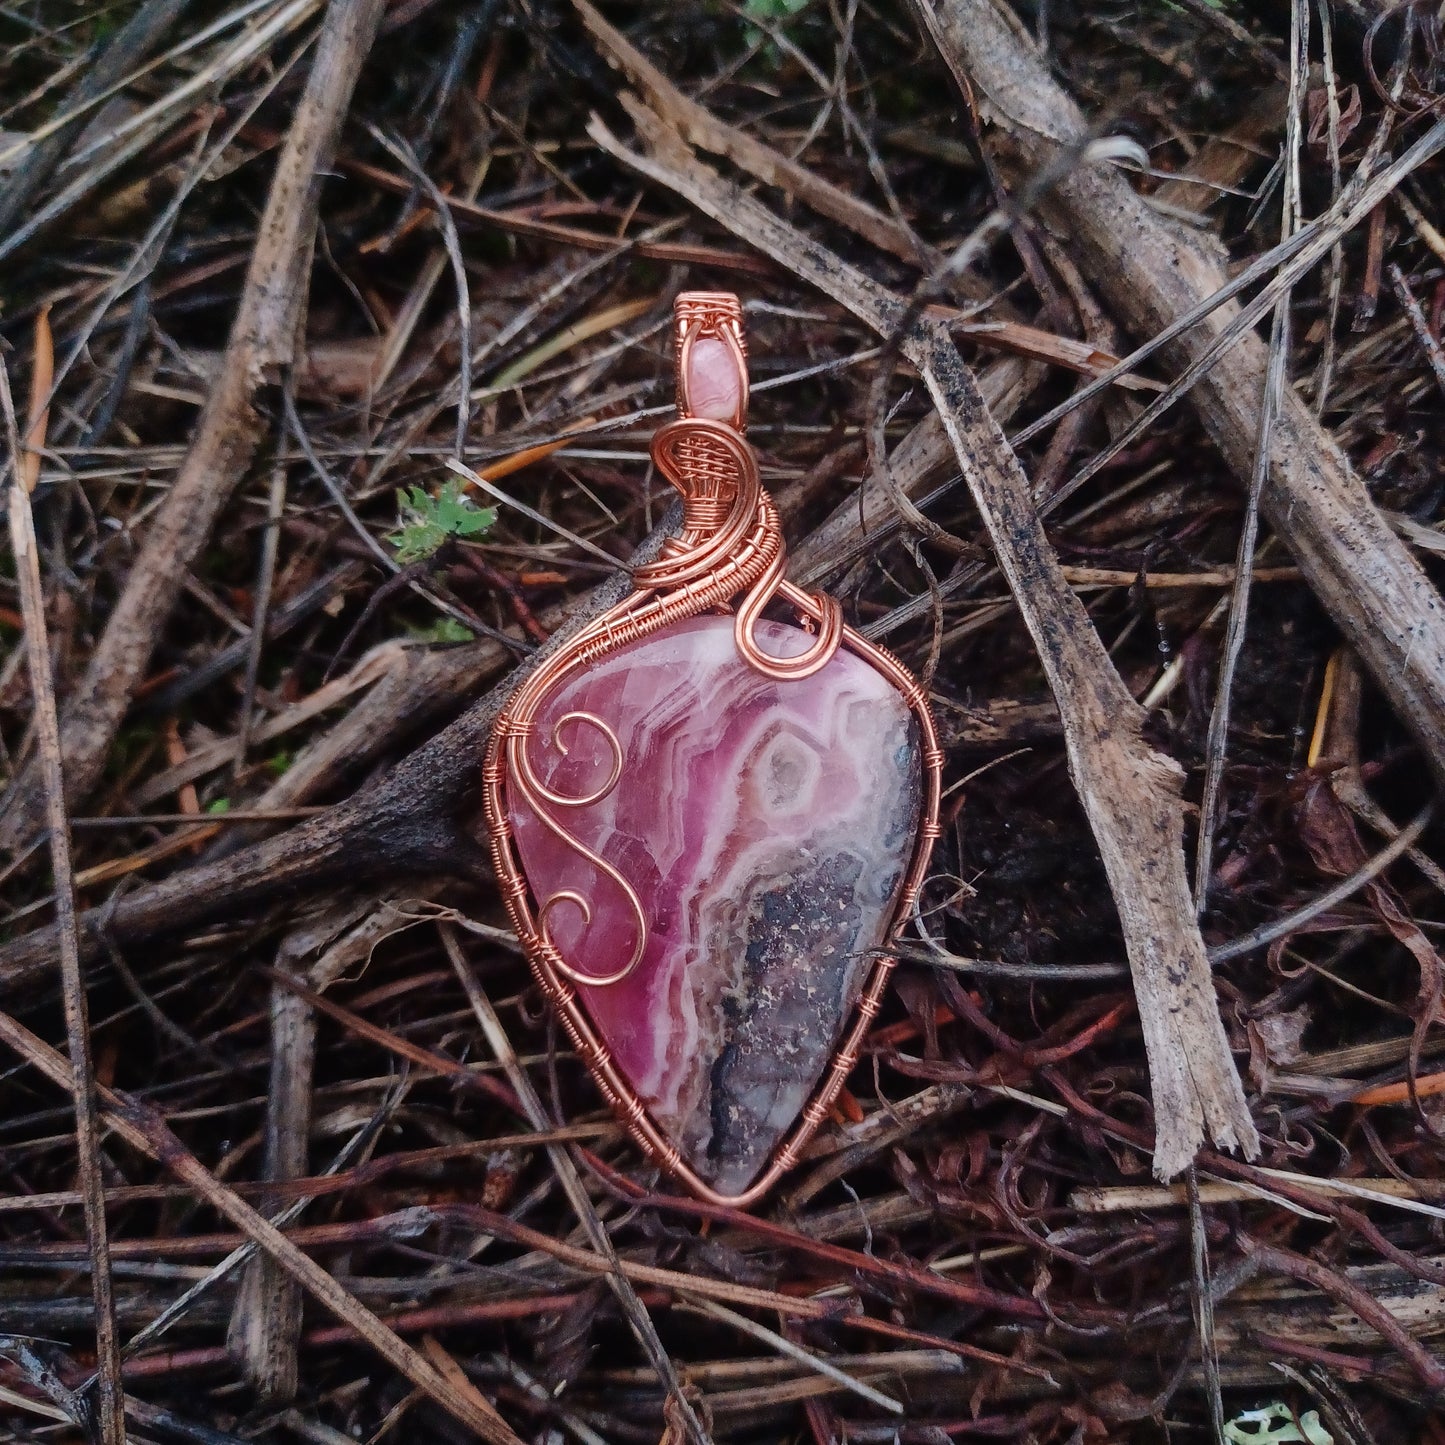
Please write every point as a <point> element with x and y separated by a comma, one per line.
<point>730,547</point>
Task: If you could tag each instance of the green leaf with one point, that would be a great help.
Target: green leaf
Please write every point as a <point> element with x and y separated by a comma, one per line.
<point>1277,1424</point>
<point>776,13</point>
<point>776,10</point>
<point>444,629</point>
<point>221,805</point>
<point>427,521</point>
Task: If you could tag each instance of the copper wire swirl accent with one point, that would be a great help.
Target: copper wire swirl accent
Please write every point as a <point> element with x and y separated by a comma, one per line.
<point>728,554</point>
<point>723,504</point>
<point>537,796</point>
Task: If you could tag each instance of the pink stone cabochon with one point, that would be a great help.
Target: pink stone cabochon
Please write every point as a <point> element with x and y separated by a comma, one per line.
<point>766,827</point>
<point>715,387</point>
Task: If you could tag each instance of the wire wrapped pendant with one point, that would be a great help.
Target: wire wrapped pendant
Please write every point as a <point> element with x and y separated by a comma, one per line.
<point>708,824</point>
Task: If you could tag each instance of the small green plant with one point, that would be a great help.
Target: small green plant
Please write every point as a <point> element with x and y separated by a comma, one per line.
<point>1277,1424</point>
<point>218,807</point>
<point>444,629</point>
<point>774,10</point>
<point>773,13</point>
<point>427,521</point>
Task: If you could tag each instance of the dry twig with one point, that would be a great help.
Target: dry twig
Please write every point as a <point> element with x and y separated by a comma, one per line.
<point>24,469</point>
<point>262,344</point>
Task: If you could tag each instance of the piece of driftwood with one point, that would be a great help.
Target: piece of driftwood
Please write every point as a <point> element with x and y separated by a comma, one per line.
<point>262,345</point>
<point>266,1318</point>
<point>1151,272</point>
<point>1130,793</point>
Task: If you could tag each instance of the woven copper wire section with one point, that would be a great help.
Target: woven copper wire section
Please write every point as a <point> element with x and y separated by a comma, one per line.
<point>728,552</point>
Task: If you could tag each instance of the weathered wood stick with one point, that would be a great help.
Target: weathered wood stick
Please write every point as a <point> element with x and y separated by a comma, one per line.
<point>1151,272</point>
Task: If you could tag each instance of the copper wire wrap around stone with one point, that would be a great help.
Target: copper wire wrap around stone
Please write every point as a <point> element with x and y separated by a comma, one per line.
<point>729,556</point>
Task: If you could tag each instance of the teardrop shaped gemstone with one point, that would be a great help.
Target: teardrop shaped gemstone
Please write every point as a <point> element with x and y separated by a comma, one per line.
<point>765,827</point>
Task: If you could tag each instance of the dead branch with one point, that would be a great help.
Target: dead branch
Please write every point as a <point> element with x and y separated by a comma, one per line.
<point>1151,273</point>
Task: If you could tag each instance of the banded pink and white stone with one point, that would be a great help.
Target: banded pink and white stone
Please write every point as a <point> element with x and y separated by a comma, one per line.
<point>765,827</point>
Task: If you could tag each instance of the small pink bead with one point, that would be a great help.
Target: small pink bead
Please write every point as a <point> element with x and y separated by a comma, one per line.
<point>713,383</point>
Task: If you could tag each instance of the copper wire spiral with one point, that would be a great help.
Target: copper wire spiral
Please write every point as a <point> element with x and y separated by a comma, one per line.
<point>729,552</point>
<point>538,797</point>
<point>725,508</point>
